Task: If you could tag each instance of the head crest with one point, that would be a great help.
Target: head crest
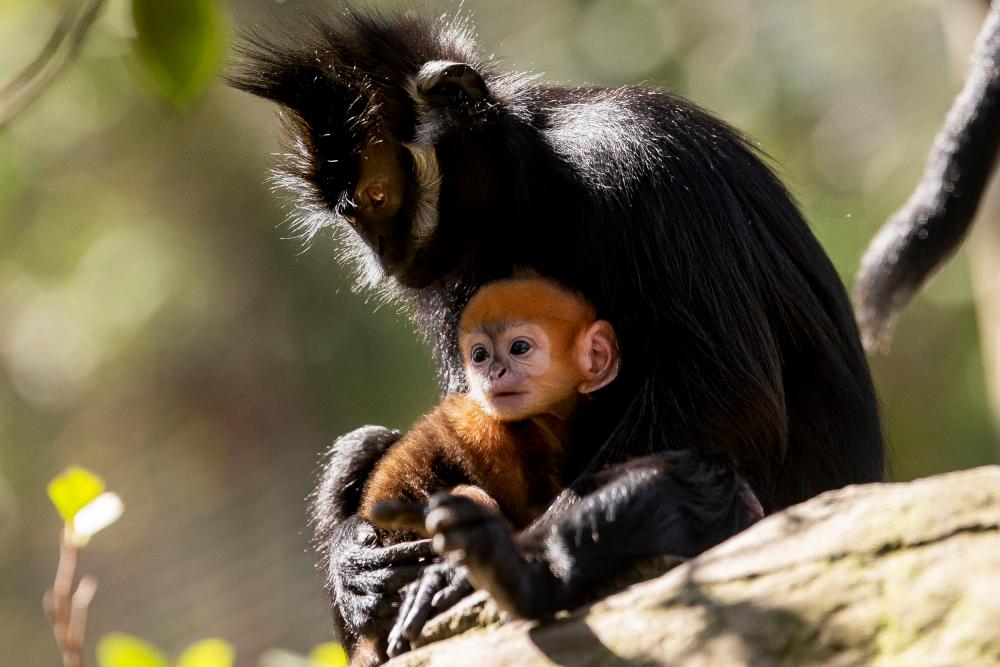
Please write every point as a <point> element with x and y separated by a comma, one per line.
<point>527,299</point>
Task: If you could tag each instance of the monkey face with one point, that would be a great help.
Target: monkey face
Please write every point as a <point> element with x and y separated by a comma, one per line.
<point>531,346</point>
<point>404,168</point>
<point>393,149</point>
<point>391,208</point>
<point>402,184</point>
<point>515,372</point>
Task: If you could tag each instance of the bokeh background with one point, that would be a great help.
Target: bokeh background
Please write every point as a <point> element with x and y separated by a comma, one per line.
<point>159,326</point>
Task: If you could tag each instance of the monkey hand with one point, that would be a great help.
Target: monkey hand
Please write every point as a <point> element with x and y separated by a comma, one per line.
<point>480,551</point>
<point>364,579</point>
<point>439,587</point>
<point>479,540</point>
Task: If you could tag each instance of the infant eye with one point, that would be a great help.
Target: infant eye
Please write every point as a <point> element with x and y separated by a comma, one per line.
<point>519,347</point>
<point>479,354</point>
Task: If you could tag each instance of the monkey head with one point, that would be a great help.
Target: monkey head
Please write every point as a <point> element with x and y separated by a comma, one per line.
<point>391,139</point>
<point>531,347</point>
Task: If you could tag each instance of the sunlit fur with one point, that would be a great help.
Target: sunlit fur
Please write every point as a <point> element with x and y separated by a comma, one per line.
<point>310,214</point>
<point>428,181</point>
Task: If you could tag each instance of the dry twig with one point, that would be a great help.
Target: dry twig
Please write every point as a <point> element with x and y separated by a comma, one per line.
<point>65,608</point>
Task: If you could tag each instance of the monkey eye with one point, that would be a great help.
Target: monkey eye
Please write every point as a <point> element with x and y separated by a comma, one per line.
<point>519,347</point>
<point>480,354</point>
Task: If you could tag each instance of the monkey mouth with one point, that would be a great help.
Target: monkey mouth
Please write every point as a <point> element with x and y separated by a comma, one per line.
<point>494,395</point>
<point>505,401</point>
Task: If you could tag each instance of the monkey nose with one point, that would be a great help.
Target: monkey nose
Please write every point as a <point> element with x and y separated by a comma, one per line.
<point>498,372</point>
<point>375,195</point>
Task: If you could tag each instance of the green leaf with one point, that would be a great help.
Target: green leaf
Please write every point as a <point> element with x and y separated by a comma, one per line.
<point>328,654</point>
<point>208,653</point>
<point>180,44</point>
<point>121,650</point>
<point>72,489</point>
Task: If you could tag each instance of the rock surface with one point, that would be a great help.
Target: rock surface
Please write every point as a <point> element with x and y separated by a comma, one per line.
<point>883,574</point>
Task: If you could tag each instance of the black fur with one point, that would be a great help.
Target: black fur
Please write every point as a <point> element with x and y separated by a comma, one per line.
<point>348,463</point>
<point>740,351</point>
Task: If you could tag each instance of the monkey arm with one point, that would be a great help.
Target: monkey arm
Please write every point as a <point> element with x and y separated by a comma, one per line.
<point>677,502</point>
<point>350,460</point>
<point>362,579</point>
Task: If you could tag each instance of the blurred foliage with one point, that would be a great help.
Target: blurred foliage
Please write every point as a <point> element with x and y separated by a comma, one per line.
<point>73,489</point>
<point>157,324</point>
<point>181,45</point>
<point>121,650</point>
<point>75,492</point>
<point>84,505</point>
<point>210,652</point>
<point>328,654</point>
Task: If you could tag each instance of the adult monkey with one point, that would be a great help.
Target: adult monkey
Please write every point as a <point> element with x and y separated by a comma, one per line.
<point>741,358</point>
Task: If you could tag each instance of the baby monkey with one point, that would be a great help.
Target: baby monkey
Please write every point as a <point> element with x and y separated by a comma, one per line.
<point>533,351</point>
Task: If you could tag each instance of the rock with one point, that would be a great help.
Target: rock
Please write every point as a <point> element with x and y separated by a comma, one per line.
<point>883,574</point>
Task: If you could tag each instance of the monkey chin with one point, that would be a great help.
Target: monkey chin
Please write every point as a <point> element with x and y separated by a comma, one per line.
<point>424,268</point>
<point>510,406</point>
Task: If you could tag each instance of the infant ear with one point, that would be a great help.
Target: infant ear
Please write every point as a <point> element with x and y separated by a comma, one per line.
<point>597,356</point>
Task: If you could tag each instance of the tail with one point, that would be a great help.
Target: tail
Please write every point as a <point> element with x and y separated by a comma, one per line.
<point>929,228</point>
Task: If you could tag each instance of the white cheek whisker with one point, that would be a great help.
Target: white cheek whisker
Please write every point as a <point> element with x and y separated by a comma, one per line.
<point>425,214</point>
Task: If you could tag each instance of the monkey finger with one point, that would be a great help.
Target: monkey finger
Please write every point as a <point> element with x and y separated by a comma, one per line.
<point>408,596</point>
<point>421,609</point>
<point>398,553</point>
<point>449,595</point>
<point>399,577</point>
<point>448,499</point>
<point>450,542</point>
<point>397,644</point>
<point>450,517</point>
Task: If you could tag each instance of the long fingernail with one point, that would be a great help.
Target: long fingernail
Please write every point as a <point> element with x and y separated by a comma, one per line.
<point>397,646</point>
